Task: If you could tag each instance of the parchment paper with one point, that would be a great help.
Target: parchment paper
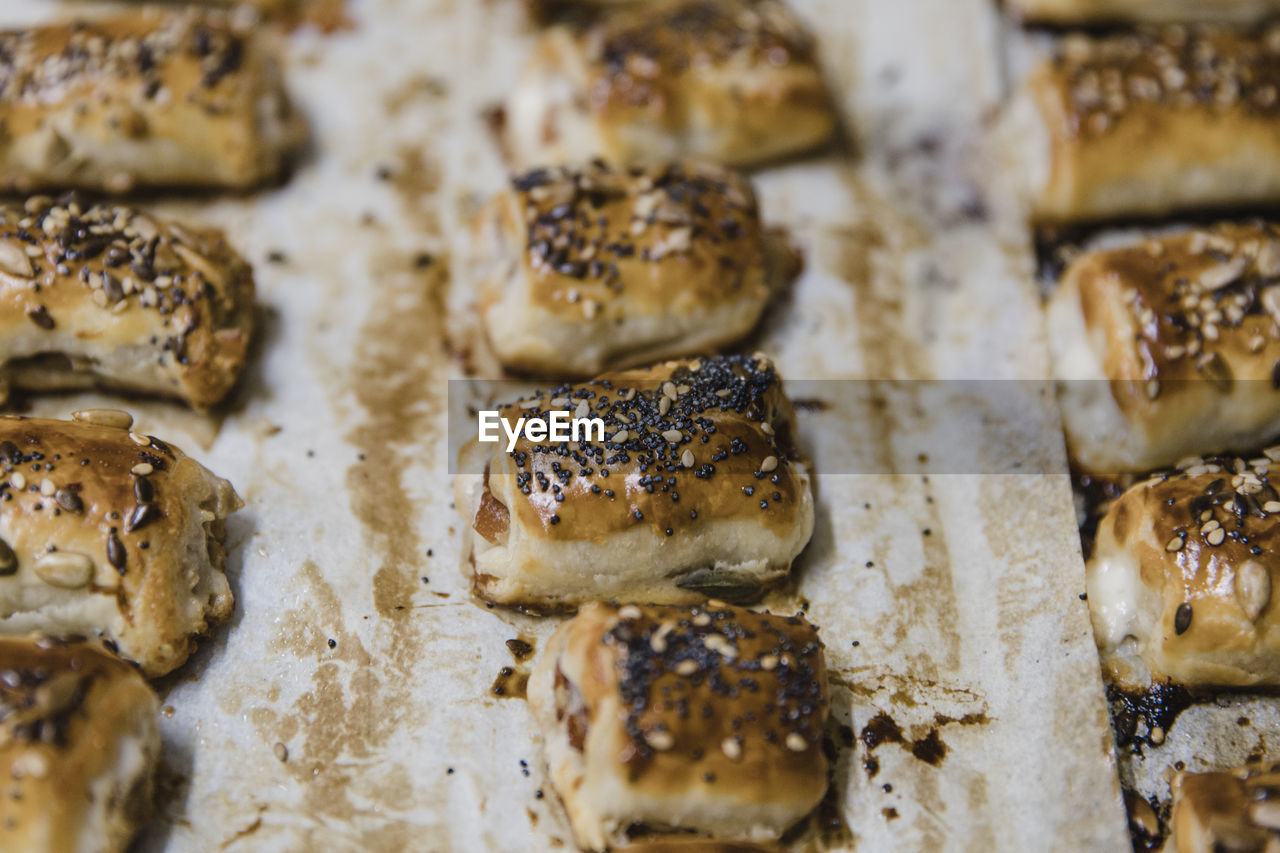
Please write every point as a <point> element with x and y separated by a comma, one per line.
<point>947,603</point>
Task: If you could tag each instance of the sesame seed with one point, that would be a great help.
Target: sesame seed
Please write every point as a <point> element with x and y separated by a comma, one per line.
<point>685,667</point>
<point>104,417</point>
<point>142,469</point>
<point>731,748</point>
<point>718,643</point>
<point>140,439</point>
<point>768,464</point>
<point>1175,544</point>
<point>1216,537</point>
<point>1182,619</point>
<point>796,742</point>
<point>660,740</point>
<point>47,488</point>
<point>686,458</point>
<point>673,435</point>
<point>629,612</point>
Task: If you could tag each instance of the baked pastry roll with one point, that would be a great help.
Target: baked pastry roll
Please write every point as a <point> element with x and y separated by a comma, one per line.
<point>78,747</point>
<point>730,81</point>
<point>1170,346</point>
<point>707,719</point>
<point>1143,11</point>
<point>693,844</point>
<point>1227,811</point>
<point>108,533</point>
<point>631,265</point>
<point>1151,123</point>
<point>144,99</point>
<point>106,295</point>
<point>1180,581</point>
<point>696,490</point>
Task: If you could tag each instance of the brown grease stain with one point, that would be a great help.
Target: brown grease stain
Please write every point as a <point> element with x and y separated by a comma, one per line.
<point>511,683</point>
<point>929,747</point>
<point>327,16</point>
<point>358,701</point>
<point>417,87</point>
<point>416,178</point>
<point>891,351</point>
<point>338,731</point>
<point>339,724</point>
<point>394,382</point>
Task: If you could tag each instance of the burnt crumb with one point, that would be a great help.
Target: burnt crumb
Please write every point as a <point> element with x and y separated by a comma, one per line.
<point>520,649</point>
<point>930,749</point>
<point>1137,716</point>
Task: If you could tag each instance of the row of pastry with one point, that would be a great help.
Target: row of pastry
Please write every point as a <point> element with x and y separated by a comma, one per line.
<point>112,541</point>
<point>1167,340</point>
<point>665,704</point>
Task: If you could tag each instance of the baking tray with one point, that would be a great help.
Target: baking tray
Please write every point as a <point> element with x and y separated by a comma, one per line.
<point>349,704</point>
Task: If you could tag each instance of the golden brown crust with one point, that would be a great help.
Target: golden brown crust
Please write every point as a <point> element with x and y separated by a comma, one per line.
<point>728,412</point>
<point>701,719</point>
<point>1195,550</point>
<point>125,300</point>
<point>596,233</point>
<point>1201,305</point>
<point>1236,809</point>
<point>656,262</point>
<point>1201,105</point>
<point>731,81</point>
<point>78,747</point>
<point>108,532</point>
<point>147,98</point>
<point>1183,329</point>
<point>1142,11</point>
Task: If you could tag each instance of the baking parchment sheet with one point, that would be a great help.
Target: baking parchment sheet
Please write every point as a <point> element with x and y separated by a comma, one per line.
<point>949,604</point>
<point>1215,732</point>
